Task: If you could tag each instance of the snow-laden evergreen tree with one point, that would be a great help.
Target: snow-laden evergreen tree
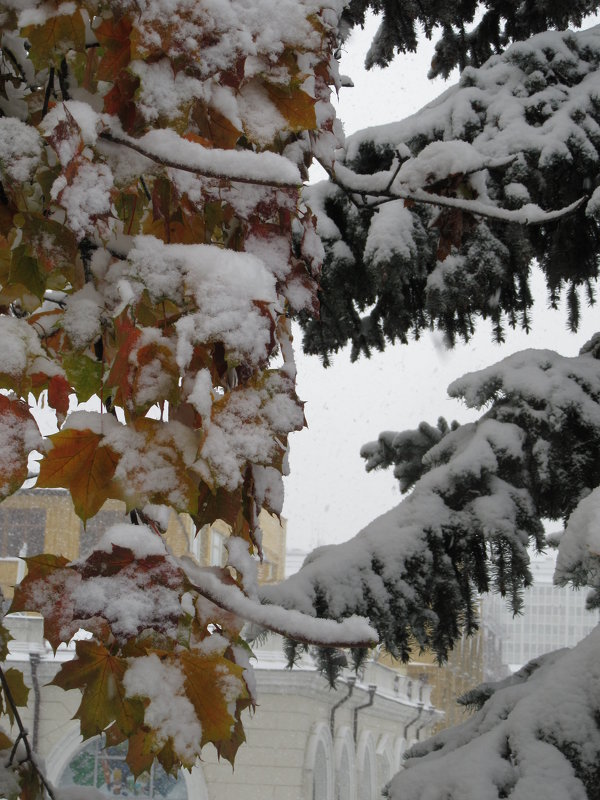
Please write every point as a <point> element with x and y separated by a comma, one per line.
<point>424,223</point>
<point>435,222</point>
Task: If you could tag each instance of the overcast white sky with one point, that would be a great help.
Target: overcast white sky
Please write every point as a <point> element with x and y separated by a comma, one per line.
<point>329,496</point>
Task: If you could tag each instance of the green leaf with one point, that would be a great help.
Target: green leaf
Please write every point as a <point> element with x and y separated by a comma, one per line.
<point>54,38</point>
<point>25,271</point>
<point>18,691</point>
<point>84,375</point>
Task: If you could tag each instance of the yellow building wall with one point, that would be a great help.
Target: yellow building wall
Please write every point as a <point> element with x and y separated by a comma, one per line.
<point>43,521</point>
<point>273,530</point>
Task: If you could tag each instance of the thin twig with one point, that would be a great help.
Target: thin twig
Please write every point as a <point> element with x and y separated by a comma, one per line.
<point>49,90</point>
<point>23,736</point>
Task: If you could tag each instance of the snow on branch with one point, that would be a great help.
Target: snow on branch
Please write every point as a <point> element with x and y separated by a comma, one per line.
<point>166,147</point>
<point>375,190</point>
<point>351,632</point>
<point>437,218</point>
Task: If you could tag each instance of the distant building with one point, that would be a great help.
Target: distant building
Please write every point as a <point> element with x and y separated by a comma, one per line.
<point>552,617</point>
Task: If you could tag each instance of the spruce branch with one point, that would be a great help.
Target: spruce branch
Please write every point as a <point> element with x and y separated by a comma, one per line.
<point>529,214</point>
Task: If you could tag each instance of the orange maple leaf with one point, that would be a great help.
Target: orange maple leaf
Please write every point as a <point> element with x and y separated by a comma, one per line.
<point>79,462</point>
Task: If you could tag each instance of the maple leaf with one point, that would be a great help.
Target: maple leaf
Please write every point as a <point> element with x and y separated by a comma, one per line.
<point>114,36</point>
<point>58,396</point>
<point>227,748</point>
<point>51,40</point>
<point>217,503</point>
<point>5,638</point>
<point>212,683</point>
<point>121,101</point>
<point>18,691</point>
<point>25,279</point>
<point>125,339</point>
<point>46,588</point>
<point>295,106</point>
<point>66,130</point>
<point>53,246</point>
<point>156,367</point>
<point>163,449</point>
<point>214,127</point>
<point>99,675</point>
<point>84,374</point>
<point>81,463</point>
<point>153,584</point>
<point>20,435</point>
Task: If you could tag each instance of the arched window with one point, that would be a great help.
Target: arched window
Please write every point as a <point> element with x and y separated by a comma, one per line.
<point>345,765</point>
<point>320,774</point>
<point>385,761</point>
<point>399,750</point>
<point>367,767</point>
<point>107,771</point>
<point>318,762</point>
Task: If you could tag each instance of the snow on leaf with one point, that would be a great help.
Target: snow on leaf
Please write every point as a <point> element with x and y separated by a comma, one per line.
<point>295,106</point>
<point>47,589</point>
<point>221,677</point>
<point>19,435</point>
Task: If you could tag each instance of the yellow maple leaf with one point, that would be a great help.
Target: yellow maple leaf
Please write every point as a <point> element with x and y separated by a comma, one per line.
<point>99,675</point>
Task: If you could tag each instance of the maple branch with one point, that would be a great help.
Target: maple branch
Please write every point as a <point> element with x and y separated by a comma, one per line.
<point>205,172</point>
<point>351,632</point>
<point>23,737</point>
